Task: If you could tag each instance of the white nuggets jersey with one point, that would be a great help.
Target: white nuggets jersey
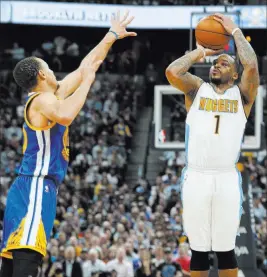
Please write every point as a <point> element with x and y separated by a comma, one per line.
<point>215,127</point>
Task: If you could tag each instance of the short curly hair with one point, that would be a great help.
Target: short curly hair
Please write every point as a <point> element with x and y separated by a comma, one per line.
<point>26,71</point>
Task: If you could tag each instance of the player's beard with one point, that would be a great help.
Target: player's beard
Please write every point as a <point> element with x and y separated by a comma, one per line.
<point>216,81</point>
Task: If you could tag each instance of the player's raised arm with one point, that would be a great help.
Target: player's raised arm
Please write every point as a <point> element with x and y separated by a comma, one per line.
<point>178,75</point>
<point>65,111</point>
<point>250,77</point>
<point>117,31</point>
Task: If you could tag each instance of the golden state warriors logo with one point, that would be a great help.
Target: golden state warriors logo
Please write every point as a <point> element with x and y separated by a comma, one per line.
<point>66,150</point>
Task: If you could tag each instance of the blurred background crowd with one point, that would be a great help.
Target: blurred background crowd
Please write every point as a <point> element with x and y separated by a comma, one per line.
<point>101,219</point>
<point>104,225</point>
<point>257,168</point>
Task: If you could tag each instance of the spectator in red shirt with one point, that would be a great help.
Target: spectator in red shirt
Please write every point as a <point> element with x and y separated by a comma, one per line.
<point>184,258</point>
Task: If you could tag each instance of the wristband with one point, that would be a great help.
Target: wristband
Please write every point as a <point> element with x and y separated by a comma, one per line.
<point>114,33</point>
<point>236,29</point>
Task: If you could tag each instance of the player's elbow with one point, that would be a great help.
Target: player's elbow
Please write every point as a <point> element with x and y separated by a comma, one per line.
<point>174,78</point>
<point>254,66</point>
<point>253,71</point>
<point>170,74</point>
<point>251,67</point>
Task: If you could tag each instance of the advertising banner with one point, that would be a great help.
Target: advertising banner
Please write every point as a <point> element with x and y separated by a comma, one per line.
<point>96,15</point>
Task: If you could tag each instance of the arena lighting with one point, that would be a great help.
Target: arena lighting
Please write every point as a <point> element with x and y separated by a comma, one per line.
<point>248,38</point>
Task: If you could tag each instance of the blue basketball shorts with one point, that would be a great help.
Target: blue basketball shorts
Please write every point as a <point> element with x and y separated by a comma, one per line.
<point>29,215</point>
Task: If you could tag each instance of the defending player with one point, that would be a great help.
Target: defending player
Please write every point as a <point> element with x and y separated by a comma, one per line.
<point>50,109</point>
<point>215,124</point>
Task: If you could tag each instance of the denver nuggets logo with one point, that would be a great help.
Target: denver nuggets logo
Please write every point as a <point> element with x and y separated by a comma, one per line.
<point>66,150</point>
<point>221,105</point>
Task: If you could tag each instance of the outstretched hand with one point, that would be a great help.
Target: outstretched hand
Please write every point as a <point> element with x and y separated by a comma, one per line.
<point>209,52</point>
<point>119,25</point>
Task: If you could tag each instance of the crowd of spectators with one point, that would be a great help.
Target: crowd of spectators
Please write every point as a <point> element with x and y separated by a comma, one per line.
<point>63,55</point>
<point>256,164</point>
<point>104,226</point>
<point>102,223</point>
<point>257,167</point>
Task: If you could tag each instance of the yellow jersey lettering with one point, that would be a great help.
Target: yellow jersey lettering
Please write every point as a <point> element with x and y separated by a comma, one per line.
<point>221,105</point>
<point>215,105</point>
<point>227,105</point>
<point>231,106</point>
<point>235,106</point>
<point>202,103</point>
<point>208,107</point>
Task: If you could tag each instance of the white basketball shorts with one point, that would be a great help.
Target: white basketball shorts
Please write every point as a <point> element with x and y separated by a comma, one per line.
<point>212,208</point>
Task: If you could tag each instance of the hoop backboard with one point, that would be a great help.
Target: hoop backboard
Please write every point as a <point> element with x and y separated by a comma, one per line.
<point>170,115</point>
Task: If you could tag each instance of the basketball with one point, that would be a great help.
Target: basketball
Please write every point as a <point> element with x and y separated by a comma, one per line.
<point>211,34</point>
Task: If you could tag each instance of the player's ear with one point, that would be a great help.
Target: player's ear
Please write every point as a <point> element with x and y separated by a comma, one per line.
<point>235,76</point>
<point>41,75</point>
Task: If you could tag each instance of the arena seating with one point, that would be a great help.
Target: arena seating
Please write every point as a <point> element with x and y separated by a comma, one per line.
<point>98,212</point>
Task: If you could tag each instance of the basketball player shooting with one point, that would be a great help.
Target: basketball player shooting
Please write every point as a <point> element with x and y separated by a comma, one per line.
<point>51,107</point>
<point>217,113</point>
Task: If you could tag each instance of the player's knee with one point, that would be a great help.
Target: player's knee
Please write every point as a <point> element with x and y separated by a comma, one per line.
<point>199,261</point>
<point>226,260</point>
<point>26,262</point>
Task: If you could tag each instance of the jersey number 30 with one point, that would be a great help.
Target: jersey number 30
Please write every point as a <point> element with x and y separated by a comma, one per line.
<point>217,117</point>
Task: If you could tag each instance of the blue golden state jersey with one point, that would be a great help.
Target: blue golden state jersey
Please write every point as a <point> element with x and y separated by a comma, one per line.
<point>46,150</point>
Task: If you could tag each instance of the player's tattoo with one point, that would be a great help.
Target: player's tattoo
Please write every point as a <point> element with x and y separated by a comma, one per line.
<point>183,64</point>
<point>179,76</point>
<point>250,76</point>
<point>245,51</point>
<point>192,94</point>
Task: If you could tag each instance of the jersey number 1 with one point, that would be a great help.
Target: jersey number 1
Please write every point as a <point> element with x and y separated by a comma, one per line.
<point>217,124</point>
